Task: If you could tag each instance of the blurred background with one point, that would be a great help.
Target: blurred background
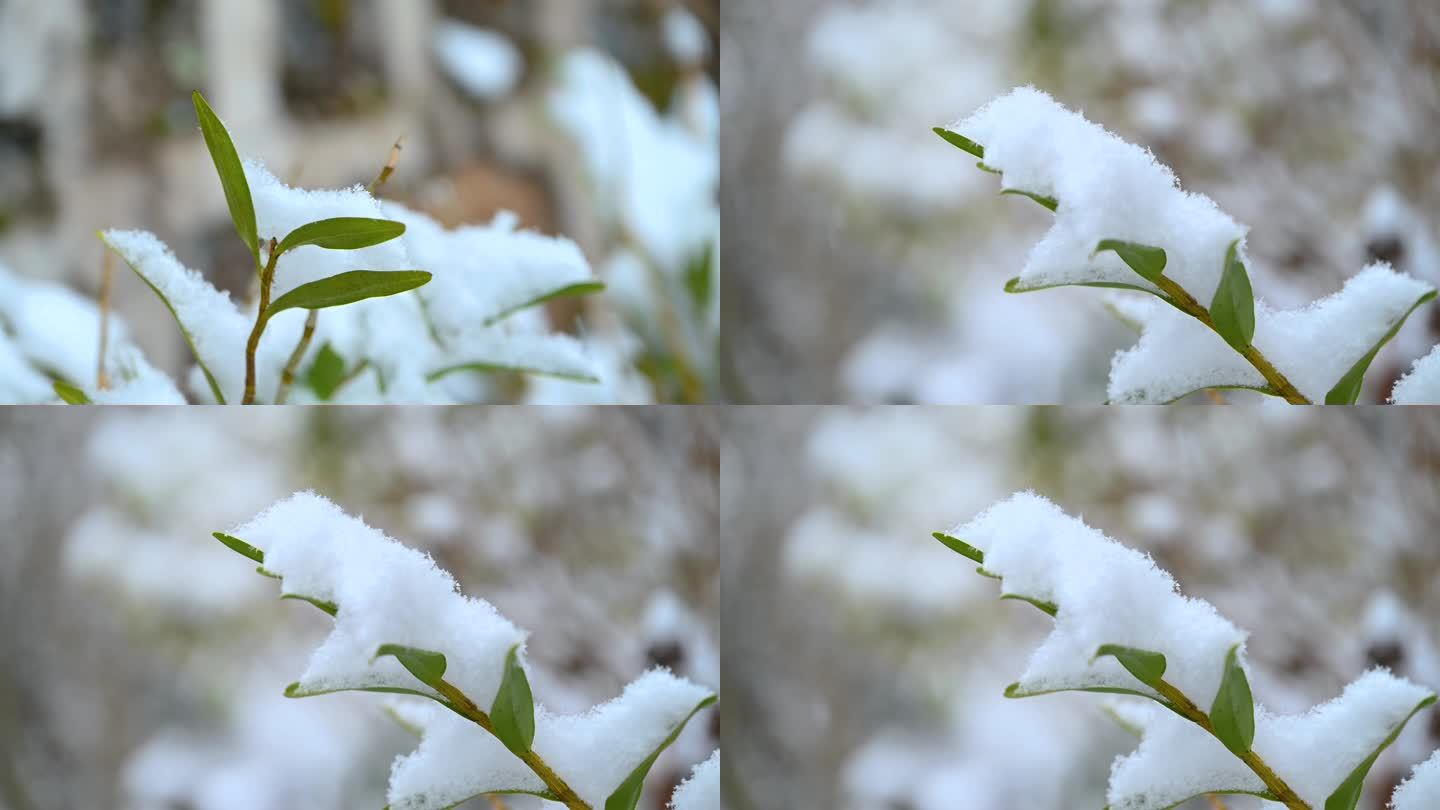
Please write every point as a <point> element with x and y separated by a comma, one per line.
<point>142,663</point>
<point>595,119</point>
<point>874,659</point>
<point>867,256</point>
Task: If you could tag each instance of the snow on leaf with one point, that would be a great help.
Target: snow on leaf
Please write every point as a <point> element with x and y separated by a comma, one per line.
<point>1313,346</point>
<point>701,791</point>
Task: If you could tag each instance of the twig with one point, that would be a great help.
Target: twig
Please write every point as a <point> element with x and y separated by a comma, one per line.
<point>389,167</point>
<point>107,276</point>
<point>497,803</point>
<point>1216,803</point>
<point>267,277</point>
<point>287,377</point>
<point>465,707</point>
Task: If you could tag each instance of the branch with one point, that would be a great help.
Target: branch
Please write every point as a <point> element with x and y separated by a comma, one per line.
<point>287,377</point>
<point>107,276</point>
<point>267,278</point>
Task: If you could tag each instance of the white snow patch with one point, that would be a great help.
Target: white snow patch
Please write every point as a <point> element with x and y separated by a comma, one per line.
<point>483,62</point>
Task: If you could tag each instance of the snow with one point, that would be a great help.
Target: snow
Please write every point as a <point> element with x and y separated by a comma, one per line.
<point>1422,790</point>
<point>386,593</point>
<point>487,272</point>
<point>593,752</point>
<point>56,329</point>
<point>660,178</point>
<point>483,62</point>
<point>497,347</point>
<point>685,37</point>
<point>20,382</point>
<point>280,209</point>
<point>212,324</point>
<point>702,790</point>
<point>1106,594</point>
<point>134,381</point>
<point>1107,189</point>
<point>1312,752</point>
<point>1421,384</point>
<point>1313,346</point>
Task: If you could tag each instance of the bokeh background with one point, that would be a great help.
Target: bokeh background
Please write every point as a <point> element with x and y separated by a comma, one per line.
<point>142,663</point>
<point>866,662</point>
<point>867,256</point>
<point>595,119</point>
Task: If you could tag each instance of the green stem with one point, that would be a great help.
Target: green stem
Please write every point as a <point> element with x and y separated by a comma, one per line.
<point>287,377</point>
<point>465,707</point>
<point>1187,709</point>
<point>1186,303</point>
<point>267,278</point>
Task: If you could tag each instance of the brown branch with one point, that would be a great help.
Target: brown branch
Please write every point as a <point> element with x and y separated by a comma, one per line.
<point>107,276</point>
<point>267,277</point>
<point>287,377</point>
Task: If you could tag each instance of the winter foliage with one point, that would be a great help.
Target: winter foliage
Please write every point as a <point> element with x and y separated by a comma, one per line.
<point>1122,221</point>
<point>1121,626</point>
<point>401,626</point>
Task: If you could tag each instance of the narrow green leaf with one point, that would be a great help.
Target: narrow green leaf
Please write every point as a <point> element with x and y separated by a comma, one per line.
<point>1147,666</point>
<point>496,368</point>
<point>959,546</point>
<point>294,691</point>
<point>573,290</point>
<point>427,665</point>
<point>956,139</point>
<point>328,607</point>
<point>700,277</point>
<point>1048,202</point>
<point>1047,607</point>
<point>1014,286</point>
<point>1147,261</point>
<point>1347,390</point>
<point>627,795</point>
<point>1233,714</point>
<point>342,233</point>
<point>70,394</point>
<point>347,288</point>
<point>982,166</point>
<point>265,572</point>
<point>240,546</point>
<point>1233,309</point>
<point>232,174</point>
<point>513,714</point>
<point>1014,692</point>
<point>1348,794</point>
<point>326,372</point>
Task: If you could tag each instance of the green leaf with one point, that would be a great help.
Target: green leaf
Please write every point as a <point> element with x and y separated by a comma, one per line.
<point>294,691</point>
<point>700,277</point>
<point>264,572</point>
<point>1014,692</point>
<point>570,291</point>
<point>496,368</point>
<point>70,394</point>
<point>1048,607</point>
<point>328,607</point>
<point>1233,714</point>
<point>347,288</point>
<point>240,546</point>
<point>1233,309</point>
<point>960,546</point>
<point>1014,286</point>
<point>513,714</point>
<point>326,373</point>
<point>1147,261</point>
<point>342,233</point>
<point>1147,666</point>
<point>1347,390</point>
<point>627,795</point>
<point>1048,202</point>
<point>1348,794</point>
<point>232,174</point>
<point>956,139</point>
<point>427,665</point>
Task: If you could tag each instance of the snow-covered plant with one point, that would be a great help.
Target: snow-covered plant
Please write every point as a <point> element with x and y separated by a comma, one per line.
<point>402,627</point>
<point>1122,627</point>
<point>395,333</point>
<point>1122,221</point>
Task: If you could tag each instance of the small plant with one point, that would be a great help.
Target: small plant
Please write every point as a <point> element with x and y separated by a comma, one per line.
<point>439,330</point>
<point>1121,627</point>
<point>1122,222</point>
<point>403,628</point>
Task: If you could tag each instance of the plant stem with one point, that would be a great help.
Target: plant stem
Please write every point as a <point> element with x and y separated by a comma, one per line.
<point>465,707</point>
<point>389,167</point>
<point>267,277</point>
<point>1183,706</point>
<point>287,377</point>
<point>1185,302</point>
<point>107,275</point>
